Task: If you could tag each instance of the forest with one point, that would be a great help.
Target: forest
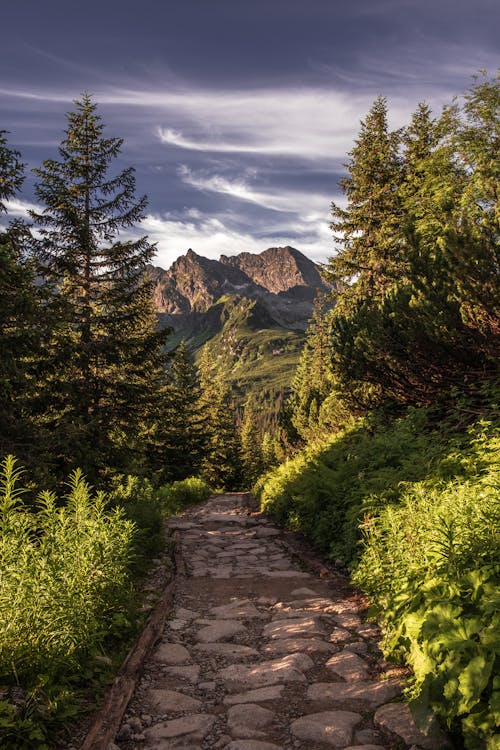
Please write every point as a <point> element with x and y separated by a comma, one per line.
<point>385,455</point>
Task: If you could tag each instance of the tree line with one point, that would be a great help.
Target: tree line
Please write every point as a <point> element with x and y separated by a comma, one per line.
<point>85,376</point>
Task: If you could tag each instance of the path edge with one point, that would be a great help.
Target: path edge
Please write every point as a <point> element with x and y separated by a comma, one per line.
<point>108,719</point>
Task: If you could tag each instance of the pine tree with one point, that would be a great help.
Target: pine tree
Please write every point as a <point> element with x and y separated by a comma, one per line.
<point>19,315</point>
<point>313,378</point>
<point>181,433</point>
<point>252,462</point>
<point>221,460</point>
<point>106,350</point>
<point>369,258</point>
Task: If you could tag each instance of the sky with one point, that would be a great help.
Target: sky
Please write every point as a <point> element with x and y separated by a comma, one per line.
<point>237,115</point>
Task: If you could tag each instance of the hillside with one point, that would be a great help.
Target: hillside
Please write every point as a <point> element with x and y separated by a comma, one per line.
<point>252,309</point>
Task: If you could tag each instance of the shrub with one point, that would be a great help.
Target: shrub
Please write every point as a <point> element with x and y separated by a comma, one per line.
<point>175,497</point>
<point>431,566</point>
<point>63,591</point>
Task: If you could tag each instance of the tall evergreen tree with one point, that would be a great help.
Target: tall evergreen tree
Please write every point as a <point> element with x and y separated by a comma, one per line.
<point>221,461</point>
<point>19,334</point>
<point>252,463</point>
<point>181,428</point>
<point>369,258</point>
<point>105,353</point>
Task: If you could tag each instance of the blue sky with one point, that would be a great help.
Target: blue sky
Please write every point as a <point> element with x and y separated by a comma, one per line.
<point>236,114</point>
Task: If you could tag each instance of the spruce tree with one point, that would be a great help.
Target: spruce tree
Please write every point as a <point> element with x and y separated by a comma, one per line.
<point>252,463</point>
<point>221,465</point>
<point>181,427</point>
<point>19,319</point>
<point>369,258</point>
<point>105,353</point>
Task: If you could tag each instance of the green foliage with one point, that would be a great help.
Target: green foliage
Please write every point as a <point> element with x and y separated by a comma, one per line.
<point>417,265</point>
<point>176,497</point>
<point>221,461</point>
<point>103,360</point>
<point>431,565</point>
<point>64,594</point>
<point>424,499</point>
<point>181,431</point>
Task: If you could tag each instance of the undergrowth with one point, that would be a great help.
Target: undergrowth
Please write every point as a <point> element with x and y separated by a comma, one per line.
<point>412,507</point>
<point>68,606</point>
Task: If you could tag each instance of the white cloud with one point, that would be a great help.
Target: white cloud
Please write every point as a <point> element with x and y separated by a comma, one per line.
<point>20,208</point>
<point>288,201</point>
<point>213,237</point>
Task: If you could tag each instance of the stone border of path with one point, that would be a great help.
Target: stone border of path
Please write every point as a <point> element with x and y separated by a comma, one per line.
<point>107,721</point>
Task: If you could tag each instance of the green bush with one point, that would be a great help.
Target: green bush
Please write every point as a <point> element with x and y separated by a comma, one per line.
<point>141,504</point>
<point>64,590</point>
<point>431,566</point>
<point>177,496</point>
<point>414,509</point>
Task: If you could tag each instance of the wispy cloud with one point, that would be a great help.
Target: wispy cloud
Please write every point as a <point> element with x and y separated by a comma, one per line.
<point>287,201</point>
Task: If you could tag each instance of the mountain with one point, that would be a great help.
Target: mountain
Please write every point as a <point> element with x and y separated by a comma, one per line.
<point>251,309</point>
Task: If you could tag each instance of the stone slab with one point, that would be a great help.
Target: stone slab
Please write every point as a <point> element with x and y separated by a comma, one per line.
<point>247,721</point>
<point>289,628</point>
<point>372,694</point>
<point>172,653</point>
<point>251,745</point>
<point>292,645</point>
<point>169,701</point>
<point>396,718</point>
<point>347,665</point>
<point>287,669</point>
<point>334,728</point>
<point>241,608</point>
<point>228,650</point>
<point>196,726</point>
<point>260,695</point>
<point>220,631</point>
<point>190,673</point>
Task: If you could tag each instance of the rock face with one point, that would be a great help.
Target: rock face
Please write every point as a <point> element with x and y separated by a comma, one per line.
<point>281,282</point>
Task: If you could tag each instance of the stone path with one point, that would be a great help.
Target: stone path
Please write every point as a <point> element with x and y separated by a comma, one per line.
<point>260,654</point>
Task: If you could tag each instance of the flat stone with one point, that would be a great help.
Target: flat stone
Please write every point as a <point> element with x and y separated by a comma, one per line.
<point>220,631</point>
<point>274,692</point>
<point>333,728</point>
<point>266,532</point>
<point>166,701</point>
<point>363,747</point>
<point>397,719</point>
<point>304,645</point>
<point>191,673</point>
<point>304,626</point>
<point>226,518</point>
<point>241,608</point>
<point>177,624</point>
<point>185,614</point>
<point>251,745</point>
<point>287,669</point>
<point>315,604</point>
<point>373,694</point>
<point>196,726</point>
<point>229,650</point>
<point>347,665</point>
<point>248,720</point>
<point>349,620</point>
<point>171,653</point>
<point>302,593</point>
<point>339,635</point>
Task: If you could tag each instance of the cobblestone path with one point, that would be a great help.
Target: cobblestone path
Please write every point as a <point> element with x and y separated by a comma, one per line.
<point>261,655</point>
